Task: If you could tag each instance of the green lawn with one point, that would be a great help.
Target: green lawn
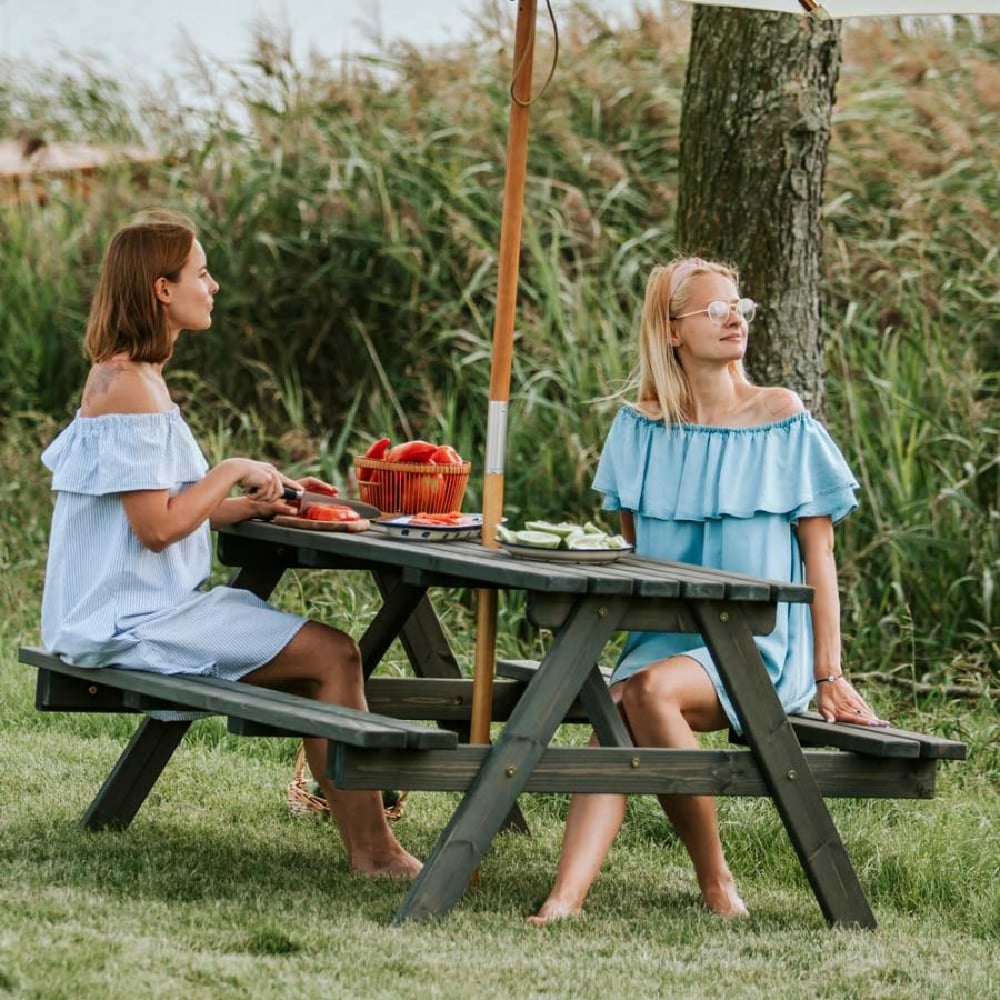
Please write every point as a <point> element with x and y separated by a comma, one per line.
<point>216,891</point>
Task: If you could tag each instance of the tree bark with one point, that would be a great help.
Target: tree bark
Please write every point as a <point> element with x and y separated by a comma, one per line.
<point>755,129</point>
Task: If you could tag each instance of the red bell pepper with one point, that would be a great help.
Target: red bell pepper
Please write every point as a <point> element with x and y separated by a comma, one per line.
<point>411,451</point>
<point>377,452</point>
<point>446,455</point>
<point>378,449</point>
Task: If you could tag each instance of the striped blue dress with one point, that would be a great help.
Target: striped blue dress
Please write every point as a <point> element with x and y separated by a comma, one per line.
<point>727,498</point>
<point>107,598</point>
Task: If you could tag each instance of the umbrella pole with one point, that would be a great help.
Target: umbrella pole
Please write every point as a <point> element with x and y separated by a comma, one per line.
<point>503,337</point>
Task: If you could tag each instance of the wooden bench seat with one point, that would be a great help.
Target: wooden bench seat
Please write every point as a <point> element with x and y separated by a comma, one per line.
<point>251,710</point>
<point>813,731</point>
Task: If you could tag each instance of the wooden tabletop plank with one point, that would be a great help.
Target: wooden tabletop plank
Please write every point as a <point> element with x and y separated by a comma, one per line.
<point>470,564</point>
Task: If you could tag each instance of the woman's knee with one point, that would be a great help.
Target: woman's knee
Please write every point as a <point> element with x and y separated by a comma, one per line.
<point>319,649</point>
<point>650,688</point>
<point>678,686</point>
<point>335,648</point>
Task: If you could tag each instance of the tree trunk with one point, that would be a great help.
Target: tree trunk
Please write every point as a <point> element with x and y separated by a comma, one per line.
<point>755,129</point>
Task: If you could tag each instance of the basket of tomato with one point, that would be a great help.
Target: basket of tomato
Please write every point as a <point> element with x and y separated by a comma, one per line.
<point>413,477</point>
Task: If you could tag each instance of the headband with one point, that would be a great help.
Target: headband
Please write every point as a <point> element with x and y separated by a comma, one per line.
<point>683,271</point>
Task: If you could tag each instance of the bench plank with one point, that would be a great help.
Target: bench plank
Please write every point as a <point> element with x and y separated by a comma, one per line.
<point>813,731</point>
<point>277,709</point>
<point>930,747</point>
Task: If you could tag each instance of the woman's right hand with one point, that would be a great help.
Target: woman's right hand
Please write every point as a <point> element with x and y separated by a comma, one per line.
<point>259,480</point>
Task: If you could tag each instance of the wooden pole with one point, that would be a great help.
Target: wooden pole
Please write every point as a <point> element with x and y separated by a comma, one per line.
<point>503,338</point>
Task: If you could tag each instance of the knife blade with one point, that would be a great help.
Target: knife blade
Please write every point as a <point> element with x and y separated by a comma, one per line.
<point>307,499</point>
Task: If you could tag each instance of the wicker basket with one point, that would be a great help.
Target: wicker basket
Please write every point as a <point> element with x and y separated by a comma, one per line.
<point>304,802</point>
<point>412,487</point>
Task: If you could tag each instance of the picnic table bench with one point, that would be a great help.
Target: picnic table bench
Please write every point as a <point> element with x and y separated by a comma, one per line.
<point>251,711</point>
<point>583,604</point>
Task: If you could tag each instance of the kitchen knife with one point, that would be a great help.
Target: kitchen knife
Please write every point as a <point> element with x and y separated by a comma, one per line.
<point>307,499</point>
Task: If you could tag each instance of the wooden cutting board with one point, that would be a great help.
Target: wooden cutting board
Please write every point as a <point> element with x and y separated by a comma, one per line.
<point>286,521</point>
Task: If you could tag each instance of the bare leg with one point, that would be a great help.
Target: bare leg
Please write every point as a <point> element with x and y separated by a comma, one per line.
<point>325,663</point>
<point>592,824</point>
<point>664,704</point>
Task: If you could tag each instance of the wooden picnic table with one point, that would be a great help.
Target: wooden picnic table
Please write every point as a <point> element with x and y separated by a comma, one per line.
<point>584,604</point>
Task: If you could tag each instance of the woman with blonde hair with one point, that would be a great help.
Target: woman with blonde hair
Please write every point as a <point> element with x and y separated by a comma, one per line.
<point>706,468</point>
<point>129,548</point>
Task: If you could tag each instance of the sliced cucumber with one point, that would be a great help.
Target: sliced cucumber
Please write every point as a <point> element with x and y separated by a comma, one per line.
<point>587,541</point>
<point>538,539</point>
<point>563,529</point>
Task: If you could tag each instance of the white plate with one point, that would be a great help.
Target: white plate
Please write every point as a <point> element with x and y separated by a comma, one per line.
<point>400,527</point>
<point>564,555</point>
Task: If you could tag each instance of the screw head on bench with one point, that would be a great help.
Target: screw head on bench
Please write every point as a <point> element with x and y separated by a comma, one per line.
<point>92,689</point>
<point>634,762</point>
<point>510,772</point>
<point>723,616</point>
<point>792,775</point>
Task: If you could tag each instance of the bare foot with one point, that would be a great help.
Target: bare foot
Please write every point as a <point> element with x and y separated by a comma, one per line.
<point>393,863</point>
<point>723,900</point>
<point>552,910</point>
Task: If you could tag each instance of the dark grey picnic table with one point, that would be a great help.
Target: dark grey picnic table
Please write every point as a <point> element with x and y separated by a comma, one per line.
<point>583,603</point>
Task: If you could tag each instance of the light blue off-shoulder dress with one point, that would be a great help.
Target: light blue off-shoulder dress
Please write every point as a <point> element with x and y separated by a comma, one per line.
<point>727,498</point>
<point>107,598</point>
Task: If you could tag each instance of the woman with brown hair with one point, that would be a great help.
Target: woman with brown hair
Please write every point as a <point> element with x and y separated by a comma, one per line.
<point>129,549</point>
<point>706,468</point>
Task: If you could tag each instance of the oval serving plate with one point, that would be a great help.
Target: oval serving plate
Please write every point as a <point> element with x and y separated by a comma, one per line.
<point>400,527</point>
<point>565,555</point>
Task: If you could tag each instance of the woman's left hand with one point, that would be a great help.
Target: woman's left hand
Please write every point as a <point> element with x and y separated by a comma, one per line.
<point>314,485</point>
<point>290,508</point>
<point>266,509</point>
<point>839,702</point>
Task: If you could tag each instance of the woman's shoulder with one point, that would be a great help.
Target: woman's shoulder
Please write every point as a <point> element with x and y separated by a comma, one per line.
<point>776,404</point>
<point>114,388</point>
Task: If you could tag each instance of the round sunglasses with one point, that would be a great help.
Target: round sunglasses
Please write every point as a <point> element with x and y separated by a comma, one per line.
<point>719,310</point>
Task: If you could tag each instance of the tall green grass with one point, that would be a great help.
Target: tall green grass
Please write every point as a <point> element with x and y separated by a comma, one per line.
<point>351,215</point>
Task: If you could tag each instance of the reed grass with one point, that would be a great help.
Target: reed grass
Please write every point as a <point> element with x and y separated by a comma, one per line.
<point>351,216</point>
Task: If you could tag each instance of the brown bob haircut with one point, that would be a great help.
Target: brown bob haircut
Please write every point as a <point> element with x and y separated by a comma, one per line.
<point>125,315</point>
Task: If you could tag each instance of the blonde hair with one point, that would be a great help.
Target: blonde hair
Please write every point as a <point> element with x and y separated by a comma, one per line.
<point>125,314</point>
<point>660,376</point>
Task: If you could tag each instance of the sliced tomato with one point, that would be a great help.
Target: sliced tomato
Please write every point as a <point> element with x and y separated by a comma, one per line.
<point>452,519</point>
<point>319,513</point>
<point>446,455</point>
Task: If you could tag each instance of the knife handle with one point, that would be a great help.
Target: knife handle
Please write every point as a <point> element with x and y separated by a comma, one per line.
<point>291,493</point>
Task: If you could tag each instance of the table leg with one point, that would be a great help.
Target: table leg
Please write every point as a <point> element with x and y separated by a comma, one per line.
<point>772,740</point>
<point>504,773</point>
<point>141,763</point>
<point>603,712</point>
<point>421,635</point>
<point>258,579</point>
<point>426,647</point>
<point>399,601</point>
